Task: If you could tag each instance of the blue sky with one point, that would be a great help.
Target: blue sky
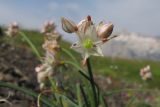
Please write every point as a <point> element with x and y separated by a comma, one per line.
<point>142,16</point>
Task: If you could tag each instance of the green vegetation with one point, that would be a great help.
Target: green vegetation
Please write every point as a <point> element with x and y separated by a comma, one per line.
<point>118,68</point>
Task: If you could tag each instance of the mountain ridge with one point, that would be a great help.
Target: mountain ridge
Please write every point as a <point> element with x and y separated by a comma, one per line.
<point>133,46</point>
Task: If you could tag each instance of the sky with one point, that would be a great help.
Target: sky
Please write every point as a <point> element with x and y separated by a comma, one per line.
<point>141,16</point>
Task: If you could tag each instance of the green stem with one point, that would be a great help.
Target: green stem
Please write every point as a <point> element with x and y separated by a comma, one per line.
<point>84,96</point>
<point>80,70</point>
<point>31,44</point>
<point>26,91</point>
<point>92,83</point>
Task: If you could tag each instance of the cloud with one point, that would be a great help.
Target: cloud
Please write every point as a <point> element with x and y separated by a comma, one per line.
<point>134,15</point>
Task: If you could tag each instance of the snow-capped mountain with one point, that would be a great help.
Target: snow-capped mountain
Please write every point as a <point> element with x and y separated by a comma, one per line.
<point>132,45</point>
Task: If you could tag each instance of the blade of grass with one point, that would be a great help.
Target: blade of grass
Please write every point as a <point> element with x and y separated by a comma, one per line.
<point>31,44</point>
<point>103,102</point>
<point>79,95</point>
<point>74,104</point>
<point>77,67</point>
<point>131,101</point>
<point>70,54</point>
<point>27,92</point>
<point>81,71</point>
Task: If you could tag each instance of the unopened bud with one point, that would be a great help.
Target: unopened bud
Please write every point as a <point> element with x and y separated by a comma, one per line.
<point>68,26</point>
<point>104,30</point>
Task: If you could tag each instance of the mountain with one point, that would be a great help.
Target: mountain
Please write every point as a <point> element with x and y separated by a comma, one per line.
<point>132,45</point>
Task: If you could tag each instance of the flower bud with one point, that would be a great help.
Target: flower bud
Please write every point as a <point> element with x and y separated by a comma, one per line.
<point>68,26</point>
<point>104,30</point>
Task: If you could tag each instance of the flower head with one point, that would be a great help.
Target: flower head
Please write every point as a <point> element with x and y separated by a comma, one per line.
<point>48,27</point>
<point>52,36</point>
<point>145,73</point>
<point>44,72</point>
<point>12,30</point>
<point>90,37</point>
<point>49,31</point>
<point>51,47</point>
<point>47,68</point>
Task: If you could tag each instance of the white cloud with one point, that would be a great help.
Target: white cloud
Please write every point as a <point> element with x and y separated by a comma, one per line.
<point>134,15</point>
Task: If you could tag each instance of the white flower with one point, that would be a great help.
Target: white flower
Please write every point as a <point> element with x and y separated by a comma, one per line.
<point>12,30</point>
<point>51,47</point>
<point>49,63</point>
<point>49,31</point>
<point>52,36</point>
<point>44,72</point>
<point>145,73</point>
<point>90,38</point>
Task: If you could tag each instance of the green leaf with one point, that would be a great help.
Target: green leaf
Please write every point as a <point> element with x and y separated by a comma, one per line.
<point>79,95</point>
<point>70,54</point>
<point>27,92</point>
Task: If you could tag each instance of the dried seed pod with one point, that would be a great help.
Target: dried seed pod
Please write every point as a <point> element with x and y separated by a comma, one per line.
<point>68,25</point>
<point>104,30</point>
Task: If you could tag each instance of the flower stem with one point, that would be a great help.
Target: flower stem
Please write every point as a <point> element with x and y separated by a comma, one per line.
<point>84,96</point>
<point>92,82</point>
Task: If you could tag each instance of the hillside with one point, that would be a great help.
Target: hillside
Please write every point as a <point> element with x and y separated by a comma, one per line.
<point>114,67</point>
<point>115,76</point>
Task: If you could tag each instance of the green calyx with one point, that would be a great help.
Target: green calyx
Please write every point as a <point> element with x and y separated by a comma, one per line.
<point>88,43</point>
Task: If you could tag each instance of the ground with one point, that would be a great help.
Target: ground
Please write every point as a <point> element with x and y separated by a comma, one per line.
<point>17,66</point>
<point>118,78</point>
